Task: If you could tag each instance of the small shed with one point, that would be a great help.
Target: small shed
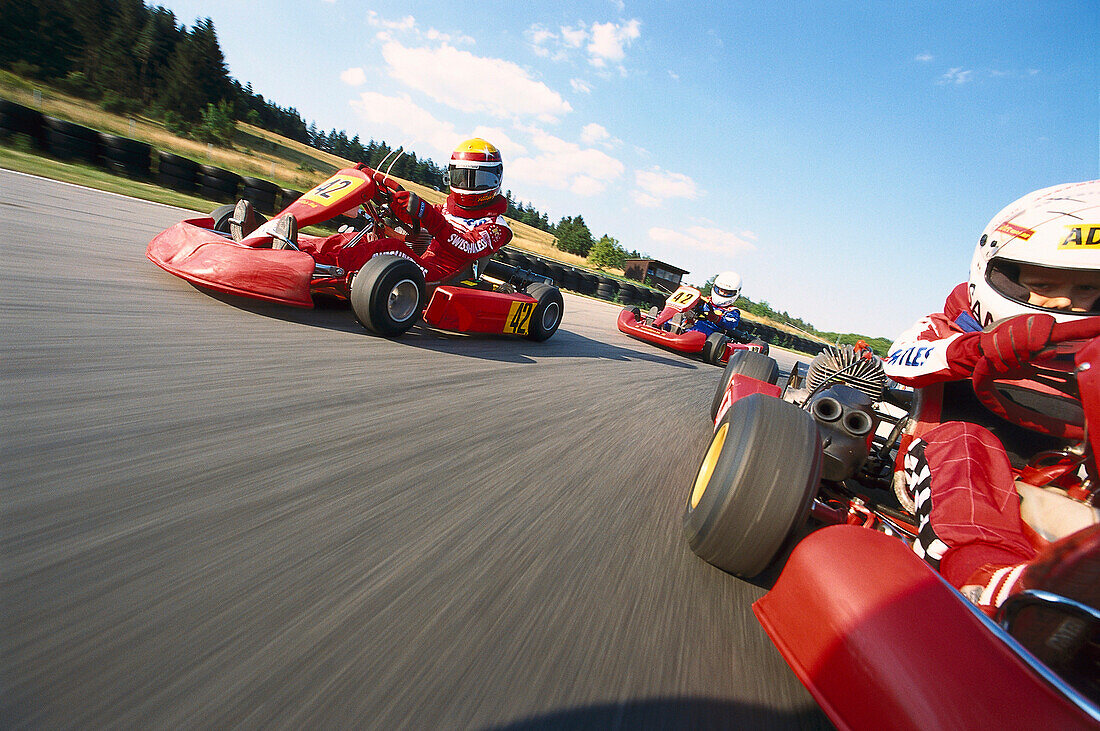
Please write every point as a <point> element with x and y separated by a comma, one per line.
<point>665,275</point>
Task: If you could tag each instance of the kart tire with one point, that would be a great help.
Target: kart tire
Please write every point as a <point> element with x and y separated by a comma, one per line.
<point>606,290</point>
<point>755,485</point>
<point>184,185</point>
<point>288,196</point>
<point>178,162</point>
<point>547,313</point>
<point>222,214</point>
<point>714,348</point>
<point>744,363</point>
<point>388,295</point>
<point>764,348</point>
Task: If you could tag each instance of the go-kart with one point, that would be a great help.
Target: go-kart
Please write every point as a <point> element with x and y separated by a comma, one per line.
<point>373,262</point>
<point>874,633</point>
<point>675,326</point>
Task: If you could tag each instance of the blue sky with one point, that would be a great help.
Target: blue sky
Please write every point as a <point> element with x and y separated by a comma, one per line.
<point>842,156</point>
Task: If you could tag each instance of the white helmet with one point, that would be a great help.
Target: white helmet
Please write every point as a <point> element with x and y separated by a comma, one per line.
<point>1056,229</point>
<point>726,289</point>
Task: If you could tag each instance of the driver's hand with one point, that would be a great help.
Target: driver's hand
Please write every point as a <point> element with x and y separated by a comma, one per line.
<point>385,181</point>
<point>1014,342</point>
<point>408,207</point>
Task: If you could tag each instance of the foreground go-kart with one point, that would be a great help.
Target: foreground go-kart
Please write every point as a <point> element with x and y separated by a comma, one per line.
<point>673,327</point>
<point>372,262</point>
<point>874,633</point>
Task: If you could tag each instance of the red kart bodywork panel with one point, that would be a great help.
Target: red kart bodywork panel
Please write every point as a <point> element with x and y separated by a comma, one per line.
<point>191,251</point>
<point>691,341</point>
<point>881,641</point>
<point>474,310</point>
<point>741,386</point>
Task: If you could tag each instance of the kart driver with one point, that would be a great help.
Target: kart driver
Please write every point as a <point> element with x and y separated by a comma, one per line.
<point>719,314</point>
<point>1036,263</point>
<point>470,224</point>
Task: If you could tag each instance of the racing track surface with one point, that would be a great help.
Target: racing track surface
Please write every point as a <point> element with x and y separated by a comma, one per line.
<point>218,512</point>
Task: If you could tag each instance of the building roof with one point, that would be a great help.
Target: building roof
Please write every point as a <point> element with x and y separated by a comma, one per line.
<point>663,265</point>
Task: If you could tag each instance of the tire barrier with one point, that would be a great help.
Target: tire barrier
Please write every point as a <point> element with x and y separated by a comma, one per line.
<point>177,172</point>
<point>589,282</point>
<point>126,157</point>
<point>67,140</point>
<point>607,289</point>
<point>288,196</point>
<point>217,184</point>
<point>16,119</point>
<point>260,193</point>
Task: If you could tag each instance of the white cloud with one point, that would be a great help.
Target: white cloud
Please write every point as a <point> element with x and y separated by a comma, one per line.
<point>435,35</point>
<point>574,37</point>
<point>504,89</point>
<point>673,75</point>
<point>563,165</point>
<point>923,57</point>
<point>593,133</point>
<point>353,76</point>
<point>955,76</point>
<point>713,240</point>
<point>609,41</point>
<point>580,86</point>
<point>413,123</point>
<point>404,24</point>
<point>659,185</point>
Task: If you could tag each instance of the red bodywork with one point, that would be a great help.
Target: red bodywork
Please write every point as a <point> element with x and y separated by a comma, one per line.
<point>690,342</point>
<point>880,640</point>
<point>194,251</point>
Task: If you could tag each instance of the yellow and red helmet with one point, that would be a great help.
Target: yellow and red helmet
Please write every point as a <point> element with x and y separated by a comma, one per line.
<point>475,173</point>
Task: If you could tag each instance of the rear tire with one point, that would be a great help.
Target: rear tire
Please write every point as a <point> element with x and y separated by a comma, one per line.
<point>387,295</point>
<point>714,348</point>
<point>548,312</point>
<point>755,485</point>
<point>744,363</point>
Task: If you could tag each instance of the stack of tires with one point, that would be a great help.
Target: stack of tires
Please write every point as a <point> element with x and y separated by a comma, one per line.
<point>177,172</point>
<point>288,196</point>
<point>16,119</point>
<point>218,185</point>
<point>260,193</point>
<point>608,288</point>
<point>67,140</point>
<point>123,156</point>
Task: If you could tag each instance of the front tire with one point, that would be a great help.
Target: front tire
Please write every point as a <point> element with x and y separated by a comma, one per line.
<point>714,348</point>
<point>744,363</point>
<point>547,313</point>
<point>755,485</point>
<point>388,295</point>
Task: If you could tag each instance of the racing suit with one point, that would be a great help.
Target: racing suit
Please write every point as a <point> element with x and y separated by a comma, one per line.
<point>958,467</point>
<point>713,319</point>
<point>461,236</point>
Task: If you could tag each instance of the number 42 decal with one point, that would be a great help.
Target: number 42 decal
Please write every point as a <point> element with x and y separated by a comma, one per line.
<point>519,317</point>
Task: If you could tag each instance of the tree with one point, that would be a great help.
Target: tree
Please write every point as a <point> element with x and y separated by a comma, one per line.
<point>573,236</point>
<point>607,254</point>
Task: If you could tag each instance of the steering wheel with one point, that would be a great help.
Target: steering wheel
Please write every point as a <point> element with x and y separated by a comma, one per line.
<point>1051,375</point>
<point>384,198</point>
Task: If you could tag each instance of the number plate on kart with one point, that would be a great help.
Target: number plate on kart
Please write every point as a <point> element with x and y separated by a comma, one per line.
<point>333,189</point>
<point>519,317</point>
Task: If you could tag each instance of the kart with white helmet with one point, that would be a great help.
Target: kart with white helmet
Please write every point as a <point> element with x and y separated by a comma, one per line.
<point>678,325</point>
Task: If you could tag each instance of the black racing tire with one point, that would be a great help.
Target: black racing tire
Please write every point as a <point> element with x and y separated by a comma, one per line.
<point>755,485</point>
<point>607,290</point>
<point>176,162</point>
<point>764,348</point>
<point>261,185</point>
<point>222,214</point>
<point>714,348</point>
<point>744,363</point>
<point>388,295</point>
<point>548,312</point>
<point>635,311</point>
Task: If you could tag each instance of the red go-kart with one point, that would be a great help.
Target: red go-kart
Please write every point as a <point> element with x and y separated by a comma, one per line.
<point>875,634</point>
<point>372,262</point>
<point>671,327</point>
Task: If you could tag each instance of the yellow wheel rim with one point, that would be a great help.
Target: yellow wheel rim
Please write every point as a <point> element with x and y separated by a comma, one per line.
<point>707,468</point>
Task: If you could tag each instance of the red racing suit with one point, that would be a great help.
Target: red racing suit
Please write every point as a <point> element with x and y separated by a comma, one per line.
<point>957,468</point>
<point>461,236</point>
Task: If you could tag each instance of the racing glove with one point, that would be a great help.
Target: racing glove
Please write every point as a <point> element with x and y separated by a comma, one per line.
<point>412,210</point>
<point>1014,341</point>
<point>385,181</point>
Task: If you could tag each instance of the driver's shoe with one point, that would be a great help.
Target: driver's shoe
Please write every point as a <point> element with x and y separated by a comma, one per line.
<point>243,221</point>
<point>285,235</point>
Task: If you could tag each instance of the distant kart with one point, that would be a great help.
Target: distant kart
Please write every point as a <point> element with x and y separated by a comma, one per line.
<point>373,263</point>
<point>877,636</point>
<point>671,327</point>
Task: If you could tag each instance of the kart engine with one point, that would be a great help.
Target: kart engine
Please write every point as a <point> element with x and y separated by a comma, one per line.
<point>847,423</point>
<point>844,365</point>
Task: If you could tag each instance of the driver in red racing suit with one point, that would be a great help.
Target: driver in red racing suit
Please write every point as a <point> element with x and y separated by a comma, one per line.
<point>471,224</point>
<point>1037,262</point>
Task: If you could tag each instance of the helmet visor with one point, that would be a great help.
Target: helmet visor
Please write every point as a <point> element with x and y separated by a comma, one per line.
<point>722,292</point>
<point>477,179</point>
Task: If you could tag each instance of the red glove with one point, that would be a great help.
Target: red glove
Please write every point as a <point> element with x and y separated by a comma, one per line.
<point>1014,342</point>
<point>386,181</point>
<point>408,207</point>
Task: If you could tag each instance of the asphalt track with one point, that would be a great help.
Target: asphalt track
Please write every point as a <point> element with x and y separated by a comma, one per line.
<point>222,513</point>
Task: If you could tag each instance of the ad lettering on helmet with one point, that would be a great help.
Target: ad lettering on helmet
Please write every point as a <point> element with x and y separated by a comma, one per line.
<point>1017,231</point>
<point>1082,237</point>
